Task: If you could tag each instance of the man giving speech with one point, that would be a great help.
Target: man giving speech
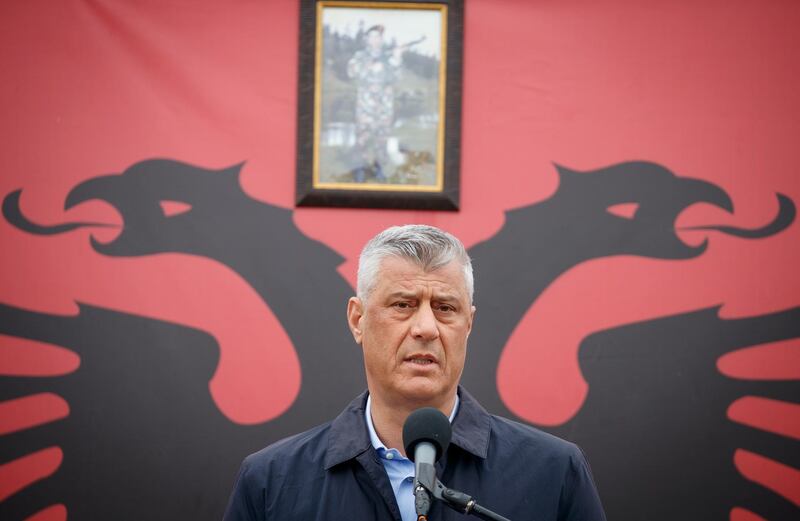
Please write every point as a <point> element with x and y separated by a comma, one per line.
<point>412,316</point>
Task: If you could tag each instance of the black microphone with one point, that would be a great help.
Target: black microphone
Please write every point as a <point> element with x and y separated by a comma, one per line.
<point>426,435</point>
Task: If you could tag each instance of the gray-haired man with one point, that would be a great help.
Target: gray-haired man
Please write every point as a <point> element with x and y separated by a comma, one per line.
<point>412,317</point>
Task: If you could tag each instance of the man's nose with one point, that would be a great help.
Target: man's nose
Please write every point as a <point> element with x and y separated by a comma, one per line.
<point>425,326</point>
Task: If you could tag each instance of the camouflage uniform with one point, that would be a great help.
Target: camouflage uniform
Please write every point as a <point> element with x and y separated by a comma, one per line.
<point>375,74</point>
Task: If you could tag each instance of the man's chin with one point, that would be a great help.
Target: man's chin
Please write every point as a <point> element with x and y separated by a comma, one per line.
<point>424,393</point>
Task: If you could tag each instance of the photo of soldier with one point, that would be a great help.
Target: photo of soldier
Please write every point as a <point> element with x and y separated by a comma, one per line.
<point>379,120</point>
<point>374,69</point>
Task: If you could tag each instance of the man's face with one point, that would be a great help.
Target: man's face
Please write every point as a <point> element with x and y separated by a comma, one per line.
<point>413,330</point>
<point>374,40</point>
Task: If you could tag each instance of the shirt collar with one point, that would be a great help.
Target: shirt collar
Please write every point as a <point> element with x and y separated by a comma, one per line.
<point>349,434</point>
<point>373,435</point>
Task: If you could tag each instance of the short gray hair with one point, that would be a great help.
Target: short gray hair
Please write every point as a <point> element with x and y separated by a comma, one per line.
<point>427,246</point>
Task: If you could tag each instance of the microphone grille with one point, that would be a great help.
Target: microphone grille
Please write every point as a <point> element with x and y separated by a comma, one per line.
<point>426,424</point>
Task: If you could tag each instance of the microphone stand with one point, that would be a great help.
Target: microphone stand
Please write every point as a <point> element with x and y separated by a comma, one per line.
<point>427,483</point>
<point>424,479</point>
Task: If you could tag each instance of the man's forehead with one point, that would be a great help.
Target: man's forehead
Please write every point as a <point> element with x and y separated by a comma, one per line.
<point>397,274</point>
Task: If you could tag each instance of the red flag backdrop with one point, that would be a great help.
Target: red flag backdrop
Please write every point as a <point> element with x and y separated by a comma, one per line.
<point>704,90</point>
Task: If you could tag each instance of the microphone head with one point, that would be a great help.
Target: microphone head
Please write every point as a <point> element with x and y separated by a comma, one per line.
<point>426,424</point>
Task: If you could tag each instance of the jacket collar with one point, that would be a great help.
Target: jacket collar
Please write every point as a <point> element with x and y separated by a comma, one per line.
<point>471,426</point>
<point>349,436</point>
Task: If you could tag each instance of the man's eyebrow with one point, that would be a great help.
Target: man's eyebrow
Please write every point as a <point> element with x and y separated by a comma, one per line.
<point>402,294</point>
<point>438,297</point>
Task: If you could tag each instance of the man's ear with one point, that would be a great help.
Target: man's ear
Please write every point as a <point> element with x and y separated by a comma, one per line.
<point>471,319</point>
<point>355,312</point>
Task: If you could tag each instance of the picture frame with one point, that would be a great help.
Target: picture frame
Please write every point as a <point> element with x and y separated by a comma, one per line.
<point>379,104</point>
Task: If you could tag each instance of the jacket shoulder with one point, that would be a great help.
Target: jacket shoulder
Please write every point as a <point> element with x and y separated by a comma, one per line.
<point>554,470</point>
<point>302,449</point>
<point>282,464</point>
<point>531,441</point>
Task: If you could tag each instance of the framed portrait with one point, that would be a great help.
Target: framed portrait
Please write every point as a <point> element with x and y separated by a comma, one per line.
<point>379,104</point>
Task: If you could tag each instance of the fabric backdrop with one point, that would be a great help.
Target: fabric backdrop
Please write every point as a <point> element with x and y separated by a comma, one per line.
<point>629,191</point>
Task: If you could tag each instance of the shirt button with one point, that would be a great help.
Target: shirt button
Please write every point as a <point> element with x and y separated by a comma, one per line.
<point>389,455</point>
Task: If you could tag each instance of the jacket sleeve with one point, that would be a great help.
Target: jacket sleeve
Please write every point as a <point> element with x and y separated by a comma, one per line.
<point>247,499</point>
<point>579,498</point>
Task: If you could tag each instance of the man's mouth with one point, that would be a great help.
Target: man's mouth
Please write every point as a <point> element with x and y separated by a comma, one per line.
<point>421,360</point>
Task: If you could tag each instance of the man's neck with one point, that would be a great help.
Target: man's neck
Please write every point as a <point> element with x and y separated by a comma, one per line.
<point>388,418</point>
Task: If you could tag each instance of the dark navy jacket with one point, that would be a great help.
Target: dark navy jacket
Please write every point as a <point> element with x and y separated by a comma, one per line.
<point>333,472</point>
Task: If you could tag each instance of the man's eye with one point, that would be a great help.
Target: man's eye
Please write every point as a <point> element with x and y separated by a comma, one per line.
<point>446,308</point>
<point>402,305</point>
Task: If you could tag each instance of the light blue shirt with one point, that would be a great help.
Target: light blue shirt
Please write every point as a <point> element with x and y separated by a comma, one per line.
<point>399,468</point>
